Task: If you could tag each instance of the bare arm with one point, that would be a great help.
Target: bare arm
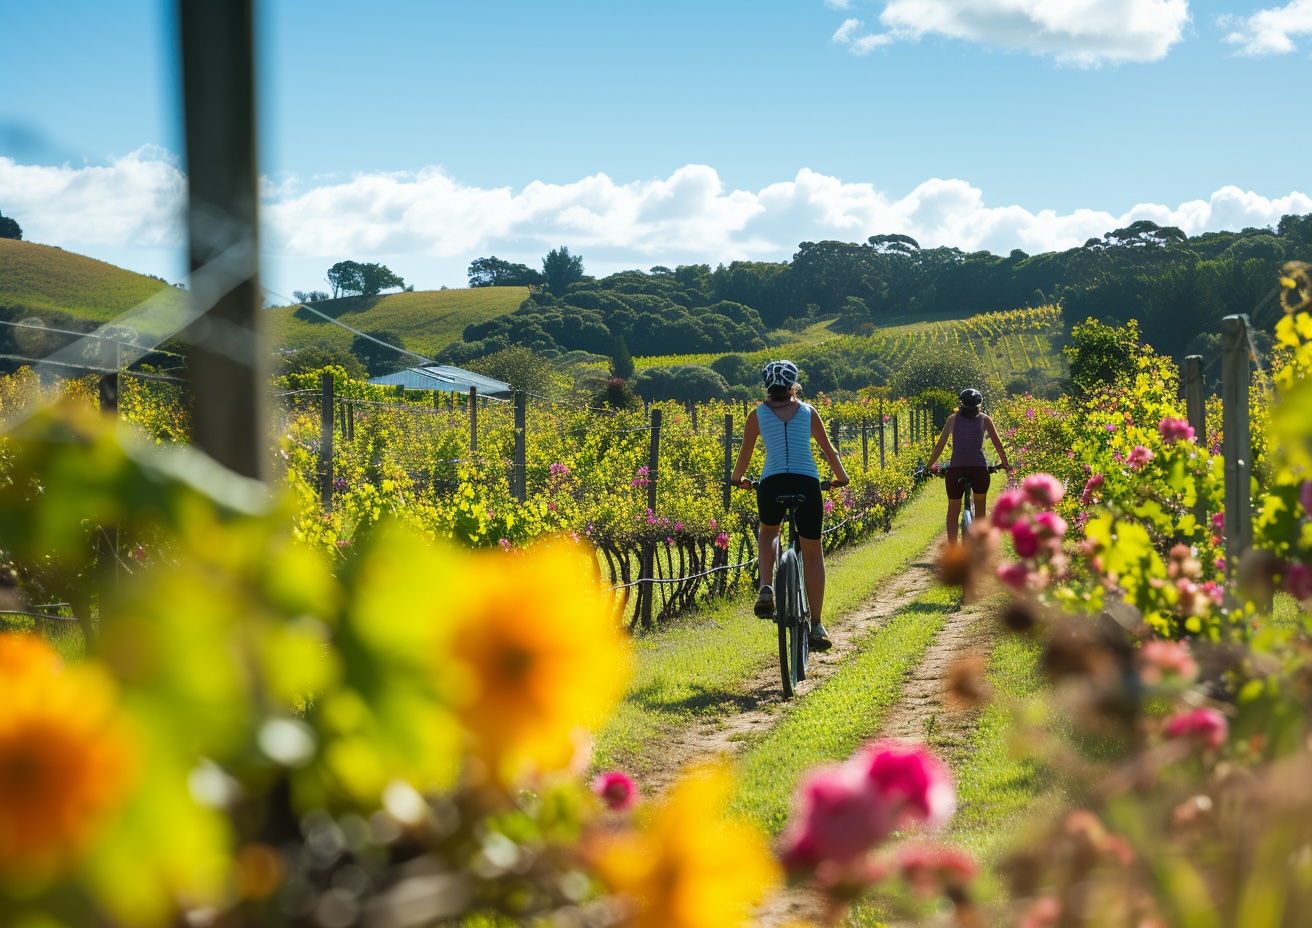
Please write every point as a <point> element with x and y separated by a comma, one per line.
<point>827,449</point>
<point>942,440</point>
<point>997,442</point>
<point>751,431</point>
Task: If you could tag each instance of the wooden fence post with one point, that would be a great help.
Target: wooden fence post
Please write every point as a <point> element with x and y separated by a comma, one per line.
<point>865,444</point>
<point>692,411</point>
<point>521,462</point>
<point>1235,379</point>
<point>895,417</point>
<point>326,443</point>
<point>473,421</point>
<point>881,434</point>
<point>1196,412</point>
<point>350,420</point>
<point>648,590</point>
<point>728,456</point>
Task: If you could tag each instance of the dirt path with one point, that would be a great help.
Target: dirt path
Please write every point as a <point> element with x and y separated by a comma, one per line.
<point>725,734</point>
<point>921,713</point>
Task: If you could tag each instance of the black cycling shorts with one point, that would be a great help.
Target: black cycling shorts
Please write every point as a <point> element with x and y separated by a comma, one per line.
<point>979,481</point>
<point>810,514</point>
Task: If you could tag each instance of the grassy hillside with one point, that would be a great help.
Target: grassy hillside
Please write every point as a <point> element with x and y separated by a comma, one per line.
<point>1011,344</point>
<point>39,280</point>
<point>427,321</point>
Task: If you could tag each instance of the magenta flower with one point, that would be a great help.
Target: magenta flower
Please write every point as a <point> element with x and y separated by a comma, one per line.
<point>829,506</point>
<point>616,790</point>
<point>722,541</point>
<point>1173,430</point>
<point>1024,538</point>
<point>1043,489</point>
<point>1050,525</point>
<point>1015,575</point>
<point>842,812</point>
<point>711,524</point>
<point>505,543</point>
<point>1139,457</point>
<point>1029,414</point>
<point>1111,427</point>
<point>1305,498</point>
<point>1090,485</point>
<point>1004,510</point>
<point>1298,580</point>
<point>1207,727</point>
<point>1159,660</point>
<point>836,817</point>
<point>678,526</point>
<point>909,776</point>
<point>1218,522</point>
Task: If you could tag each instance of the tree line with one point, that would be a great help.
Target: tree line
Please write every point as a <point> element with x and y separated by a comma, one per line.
<point>1177,286</point>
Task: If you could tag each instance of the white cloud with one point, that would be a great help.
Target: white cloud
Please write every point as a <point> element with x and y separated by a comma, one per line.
<point>838,4</point>
<point>427,223</point>
<point>1078,32</point>
<point>1269,32</point>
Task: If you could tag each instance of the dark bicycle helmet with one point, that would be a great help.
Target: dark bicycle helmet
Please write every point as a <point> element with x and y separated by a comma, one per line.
<point>970,397</point>
<point>779,374</point>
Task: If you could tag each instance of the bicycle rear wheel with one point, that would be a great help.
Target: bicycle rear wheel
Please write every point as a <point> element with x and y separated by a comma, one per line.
<point>802,627</point>
<point>787,611</point>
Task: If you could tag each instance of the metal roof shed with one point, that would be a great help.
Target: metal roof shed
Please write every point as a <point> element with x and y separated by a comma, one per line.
<point>446,378</point>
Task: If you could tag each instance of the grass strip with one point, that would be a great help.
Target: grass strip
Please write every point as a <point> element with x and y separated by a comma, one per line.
<point>699,667</point>
<point>838,716</point>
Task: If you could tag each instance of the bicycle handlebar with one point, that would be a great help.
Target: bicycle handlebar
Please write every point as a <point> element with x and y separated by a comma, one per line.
<point>923,472</point>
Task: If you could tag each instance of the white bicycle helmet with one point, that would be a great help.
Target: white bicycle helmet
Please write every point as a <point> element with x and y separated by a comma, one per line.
<point>779,374</point>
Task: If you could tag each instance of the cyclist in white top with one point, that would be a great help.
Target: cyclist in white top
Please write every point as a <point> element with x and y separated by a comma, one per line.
<point>789,469</point>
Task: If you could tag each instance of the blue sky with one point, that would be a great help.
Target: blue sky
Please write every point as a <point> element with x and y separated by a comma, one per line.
<point>425,134</point>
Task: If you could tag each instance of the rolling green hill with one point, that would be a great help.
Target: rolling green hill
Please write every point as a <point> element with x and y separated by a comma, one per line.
<point>39,280</point>
<point>427,320</point>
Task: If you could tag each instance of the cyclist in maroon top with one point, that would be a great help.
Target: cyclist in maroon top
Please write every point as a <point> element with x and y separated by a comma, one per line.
<point>967,427</point>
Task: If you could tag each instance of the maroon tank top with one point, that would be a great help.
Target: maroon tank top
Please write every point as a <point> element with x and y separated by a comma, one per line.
<point>968,442</point>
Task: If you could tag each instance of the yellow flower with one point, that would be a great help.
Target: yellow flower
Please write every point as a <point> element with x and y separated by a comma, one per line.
<point>537,654</point>
<point>65,757</point>
<point>688,866</point>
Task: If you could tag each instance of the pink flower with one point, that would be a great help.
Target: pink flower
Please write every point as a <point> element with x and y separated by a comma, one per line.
<point>1024,538</point>
<point>722,541</point>
<point>928,868</point>
<point>1050,525</point>
<point>829,506</point>
<point>1004,509</point>
<point>711,524</point>
<point>1044,912</point>
<point>909,776</point>
<point>1015,575</point>
<point>1207,727</point>
<point>1218,522</point>
<point>505,543</point>
<point>1173,430</point>
<point>836,817</point>
<point>616,790</point>
<point>1090,485</point>
<point>1029,414</point>
<point>1043,489</point>
<point>678,526</point>
<point>1298,580</point>
<point>1305,498</point>
<point>1139,457</point>
<point>842,812</point>
<point>1111,427</point>
<point>1160,659</point>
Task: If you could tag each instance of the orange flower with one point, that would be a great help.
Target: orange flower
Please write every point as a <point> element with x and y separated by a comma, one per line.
<point>537,654</point>
<point>64,757</point>
<point>688,866</point>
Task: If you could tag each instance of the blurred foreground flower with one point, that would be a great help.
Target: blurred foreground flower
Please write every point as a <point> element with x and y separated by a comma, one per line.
<point>616,790</point>
<point>687,866</point>
<point>538,655</point>
<point>65,758</point>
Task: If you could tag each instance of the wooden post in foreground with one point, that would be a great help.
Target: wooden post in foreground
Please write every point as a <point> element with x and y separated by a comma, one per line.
<point>1236,447</point>
<point>226,357</point>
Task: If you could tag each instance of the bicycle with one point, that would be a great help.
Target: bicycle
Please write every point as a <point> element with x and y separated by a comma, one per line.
<point>967,496</point>
<point>792,612</point>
